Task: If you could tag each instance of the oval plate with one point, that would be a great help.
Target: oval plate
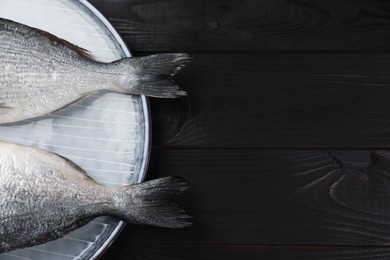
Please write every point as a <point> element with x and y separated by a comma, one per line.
<point>107,134</point>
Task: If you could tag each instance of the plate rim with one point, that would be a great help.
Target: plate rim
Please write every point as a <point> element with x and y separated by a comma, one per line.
<point>147,118</point>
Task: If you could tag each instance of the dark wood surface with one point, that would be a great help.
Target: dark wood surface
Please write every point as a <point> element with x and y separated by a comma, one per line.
<point>247,252</point>
<point>283,134</point>
<point>279,101</point>
<point>250,25</point>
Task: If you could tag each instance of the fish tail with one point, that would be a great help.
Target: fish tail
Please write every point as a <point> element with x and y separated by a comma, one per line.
<point>153,203</point>
<point>152,75</point>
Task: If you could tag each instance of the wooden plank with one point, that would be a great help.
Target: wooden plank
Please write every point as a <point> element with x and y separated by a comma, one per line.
<point>250,25</point>
<point>278,101</point>
<point>248,252</point>
<point>276,197</point>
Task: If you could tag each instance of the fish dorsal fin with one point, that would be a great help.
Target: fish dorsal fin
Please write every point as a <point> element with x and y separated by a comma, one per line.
<point>78,168</point>
<point>9,24</point>
<point>56,40</point>
<point>6,106</point>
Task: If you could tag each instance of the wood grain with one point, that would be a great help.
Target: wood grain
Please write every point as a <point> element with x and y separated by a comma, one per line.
<point>249,252</point>
<point>250,25</point>
<point>276,197</point>
<point>268,74</point>
<point>278,101</point>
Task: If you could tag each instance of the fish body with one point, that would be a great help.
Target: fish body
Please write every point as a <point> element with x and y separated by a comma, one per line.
<point>41,73</point>
<point>44,196</point>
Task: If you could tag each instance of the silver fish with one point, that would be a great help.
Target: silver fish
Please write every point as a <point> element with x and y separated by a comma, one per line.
<point>41,73</point>
<point>44,196</point>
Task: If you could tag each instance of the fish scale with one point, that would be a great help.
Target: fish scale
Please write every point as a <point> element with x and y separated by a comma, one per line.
<point>44,196</point>
<point>41,73</point>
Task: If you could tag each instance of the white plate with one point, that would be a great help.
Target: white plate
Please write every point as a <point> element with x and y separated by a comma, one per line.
<point>107,134</point>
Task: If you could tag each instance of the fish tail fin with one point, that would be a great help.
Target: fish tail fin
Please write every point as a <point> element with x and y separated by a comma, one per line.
<point>153,203</point>
<point>152,75</point>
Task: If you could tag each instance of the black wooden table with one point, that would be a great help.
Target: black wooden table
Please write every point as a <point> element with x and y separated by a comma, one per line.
<point>284,131</point>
